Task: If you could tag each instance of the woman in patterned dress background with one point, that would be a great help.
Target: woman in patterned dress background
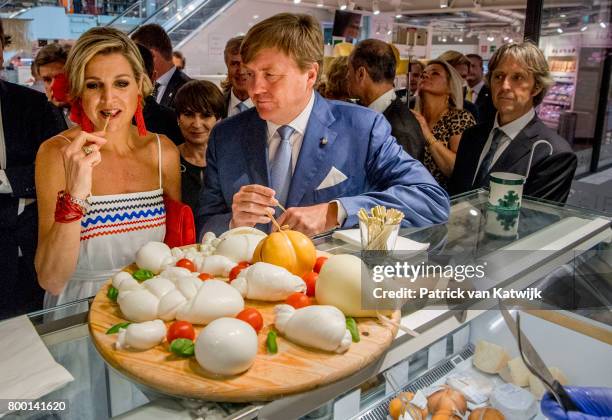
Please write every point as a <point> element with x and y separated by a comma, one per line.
<point>439,110</point>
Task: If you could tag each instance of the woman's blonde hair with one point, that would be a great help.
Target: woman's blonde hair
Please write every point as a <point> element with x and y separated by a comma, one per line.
<point>455,86</point>
<point>532,58</point>
<point>103,40</point>
<point>297,35</point>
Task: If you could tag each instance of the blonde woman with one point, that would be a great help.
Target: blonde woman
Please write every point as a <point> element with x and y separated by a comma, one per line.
<point>100,184</point>
<point>439,110</point>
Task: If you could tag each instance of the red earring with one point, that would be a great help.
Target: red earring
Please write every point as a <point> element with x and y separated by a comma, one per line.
<point>78,116</point>
<point>140,122</point>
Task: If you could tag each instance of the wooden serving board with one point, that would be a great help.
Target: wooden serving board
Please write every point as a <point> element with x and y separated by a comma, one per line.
<point>292,370</point>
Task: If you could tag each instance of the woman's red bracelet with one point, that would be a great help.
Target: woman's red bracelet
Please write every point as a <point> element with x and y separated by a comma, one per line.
<point>66,211</point>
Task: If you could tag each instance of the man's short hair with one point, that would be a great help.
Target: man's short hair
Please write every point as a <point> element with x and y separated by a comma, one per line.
<point>476,56</point>
<point>297,35</point>
<point>200,96</point>
<point>147,59</point>
<point>154,37</point>
<point>531,58</point>
<point>232,47</point>
<point>52,53</point>
<point>455,58</point>
<point>377,58</point>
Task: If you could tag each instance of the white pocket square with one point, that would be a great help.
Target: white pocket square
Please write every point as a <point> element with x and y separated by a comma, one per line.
<point>334,177</point>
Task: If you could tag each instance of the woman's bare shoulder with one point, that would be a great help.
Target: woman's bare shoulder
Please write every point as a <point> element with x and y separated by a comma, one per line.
<point>59,141</point>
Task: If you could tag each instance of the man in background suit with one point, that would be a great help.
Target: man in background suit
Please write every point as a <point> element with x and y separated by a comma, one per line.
<point>235,91</point>
<point>321,160</point>
<point>461,63</point>
<point>167,79</point>
<point>479,93</point>
<point>505,144</point>
<point>27,119</point>
<point>158,118</point>
<point>371,72</point>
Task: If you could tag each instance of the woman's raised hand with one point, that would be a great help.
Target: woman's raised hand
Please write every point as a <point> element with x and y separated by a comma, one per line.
<point>80,157</point>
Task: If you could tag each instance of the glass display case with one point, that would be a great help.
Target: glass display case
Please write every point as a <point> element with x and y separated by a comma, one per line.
<point>565,251</point>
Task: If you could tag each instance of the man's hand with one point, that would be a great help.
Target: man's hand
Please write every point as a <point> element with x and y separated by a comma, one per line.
<point>251,205</point>
<point>312,219</point>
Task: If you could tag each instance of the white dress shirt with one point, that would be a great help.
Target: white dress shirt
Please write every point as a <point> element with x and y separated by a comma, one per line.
<point>163,81</point>
<point>299,125</point>
<point>476,90</point>
<point>510,130</point>
<point>383,101</point>
<point>232,108</point>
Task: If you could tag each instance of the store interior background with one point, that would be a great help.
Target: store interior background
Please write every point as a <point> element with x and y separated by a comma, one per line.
<point>575,36</point>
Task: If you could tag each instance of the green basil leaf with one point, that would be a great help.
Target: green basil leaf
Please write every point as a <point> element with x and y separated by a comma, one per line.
<point>183,347</point>
<point>351,325</point>
<point>115,328</point>
<point>112,293</point>
<point>271,344</point>
<point>143,274</point>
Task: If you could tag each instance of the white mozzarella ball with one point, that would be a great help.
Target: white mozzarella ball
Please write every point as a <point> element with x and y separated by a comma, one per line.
<point>159,286</point>
<point>227,346</point>
<point>151,256</point>
<point>138,305</point>
<point>217,265</point>
<point>215,299</point>
<point>174,273</point>
<point>187,287</point>
<point>169,305</point>
<point>177,252</point>
<point>239,247</point>
<point>120,277</point>
<point>142,336</point>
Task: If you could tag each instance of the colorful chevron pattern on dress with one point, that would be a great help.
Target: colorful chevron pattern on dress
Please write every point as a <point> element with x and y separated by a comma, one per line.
<point>123,213</point>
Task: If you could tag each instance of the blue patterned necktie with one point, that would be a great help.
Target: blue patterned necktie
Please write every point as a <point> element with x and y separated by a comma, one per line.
<point>242,107</point>
<point>483,171</point>
<point>280,169</point>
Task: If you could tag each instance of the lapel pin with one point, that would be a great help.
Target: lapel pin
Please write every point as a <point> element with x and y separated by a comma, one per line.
<point>324,141</point>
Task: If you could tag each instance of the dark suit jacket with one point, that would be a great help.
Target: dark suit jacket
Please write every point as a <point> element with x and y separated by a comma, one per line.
<point>28,119</point>
<point>405,128</point>
<point>162,120</point>
<point>226,98</point>
<point>550,176</point>
<point>486,109</point>
<point>177,80</point>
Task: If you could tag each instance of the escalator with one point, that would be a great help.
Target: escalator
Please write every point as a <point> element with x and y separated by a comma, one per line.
<point>180,18</point>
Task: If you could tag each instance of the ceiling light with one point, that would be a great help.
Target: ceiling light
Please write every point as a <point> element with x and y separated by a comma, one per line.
<point>510,40</point>
<point>375,8</point>
<point>506,38</point>
<point>562,15</point>
<point>296,1</point>
<point>490,38</point>
<point>398,16</point>
<point>584,28</point>
<point>460,39</point>
<point>255,17</point>
<point>603,24</point>
<point>443,4</point>
<point>320,3</point>
<point>443,38</point>
<point>342,5</point>
<point>559,30</point>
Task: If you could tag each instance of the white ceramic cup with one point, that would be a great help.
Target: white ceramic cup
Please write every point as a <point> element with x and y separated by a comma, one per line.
<point>506,190</point>
<point>502,224</point>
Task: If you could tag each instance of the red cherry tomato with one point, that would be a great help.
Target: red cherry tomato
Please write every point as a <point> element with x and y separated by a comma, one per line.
<point>237,269</point>
<point>186,263</point>
<point>319,264</point>
<point>205,276</point>
<point>311,280</point>
<point>298,300</point>
<point>253,317</point>
<point>180,329</point>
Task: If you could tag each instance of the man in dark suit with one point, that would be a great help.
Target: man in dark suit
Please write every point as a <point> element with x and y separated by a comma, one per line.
<point>167,78</point>
<point>321,160</point>
<point>158,118</point>
<point>478,91</point>
<point>235,92</point>
<point>506,144</point>
<point>27,120</point>
<point>371,71</point>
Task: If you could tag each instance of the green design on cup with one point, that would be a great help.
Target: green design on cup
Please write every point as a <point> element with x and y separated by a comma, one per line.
<point>510,201</point>
<point>507,219</point>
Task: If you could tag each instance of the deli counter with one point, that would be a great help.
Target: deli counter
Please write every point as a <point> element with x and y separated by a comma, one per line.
<point>564,252</point>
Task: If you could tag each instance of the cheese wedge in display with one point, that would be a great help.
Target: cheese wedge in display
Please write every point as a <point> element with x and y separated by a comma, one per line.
<point>489,357</point>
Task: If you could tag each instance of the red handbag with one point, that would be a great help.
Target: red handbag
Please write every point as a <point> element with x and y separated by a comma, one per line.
<point>180,224</point>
